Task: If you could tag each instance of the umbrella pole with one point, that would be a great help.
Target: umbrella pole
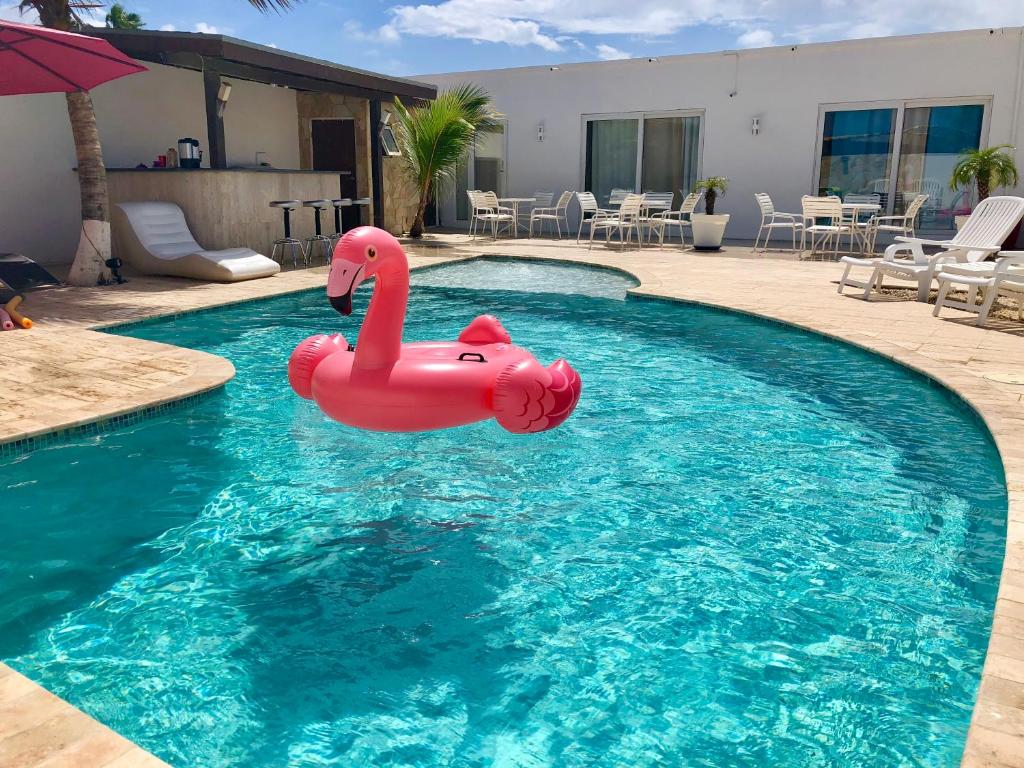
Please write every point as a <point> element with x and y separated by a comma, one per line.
<point>89,267</point>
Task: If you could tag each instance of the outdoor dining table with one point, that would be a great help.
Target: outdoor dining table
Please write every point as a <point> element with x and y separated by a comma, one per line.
<point>853,211</point>
<point>513,203</point>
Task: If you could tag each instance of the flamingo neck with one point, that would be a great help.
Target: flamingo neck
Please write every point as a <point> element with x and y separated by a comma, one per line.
<point>380,339</point>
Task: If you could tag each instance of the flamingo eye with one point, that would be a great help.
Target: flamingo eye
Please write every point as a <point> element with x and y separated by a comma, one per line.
<point>371,253</point>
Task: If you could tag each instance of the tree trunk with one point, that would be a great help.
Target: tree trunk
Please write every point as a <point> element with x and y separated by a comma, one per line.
<point>982,190</point>
<point>89,267</point>
<point>416,231</point>
<point>709,202</point>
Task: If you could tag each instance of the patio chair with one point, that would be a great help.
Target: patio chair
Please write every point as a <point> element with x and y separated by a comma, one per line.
<point>589,211</point>
<point>496,214</point>
<point>558,214</point>
<point>830,209</point>
<point>476,206</point>
<point>981,236</point>
<point>680,218</point>
<point>1007,279</point>
<point>900,224</point>
<point>155,239</point>
<point>772,219</point>
<point>655,203</point>
<point>540,200</point>
<point>625,221</point>
<point>617,195</point>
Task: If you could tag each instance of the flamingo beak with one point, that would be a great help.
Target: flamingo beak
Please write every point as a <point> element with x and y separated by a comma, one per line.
<point>345,277</point>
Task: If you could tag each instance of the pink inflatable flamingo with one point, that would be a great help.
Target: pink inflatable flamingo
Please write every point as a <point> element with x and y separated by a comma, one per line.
<point>387,386</point>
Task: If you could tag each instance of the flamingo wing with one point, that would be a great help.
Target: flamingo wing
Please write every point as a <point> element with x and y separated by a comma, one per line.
<point>485,329</point>
<point>531,398</point>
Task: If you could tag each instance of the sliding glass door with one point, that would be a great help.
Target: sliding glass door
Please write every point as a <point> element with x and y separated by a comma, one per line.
<point>898,150</point>
<point>483,168</point>
<point>611,157</point>
<point>933,138</point>
<point>649,152</point>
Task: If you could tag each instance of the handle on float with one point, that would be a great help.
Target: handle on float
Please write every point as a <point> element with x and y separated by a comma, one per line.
<point>11,308</point>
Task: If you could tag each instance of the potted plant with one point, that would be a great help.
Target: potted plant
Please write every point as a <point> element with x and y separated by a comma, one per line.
<point>984,169</point>
<point>709,227</point>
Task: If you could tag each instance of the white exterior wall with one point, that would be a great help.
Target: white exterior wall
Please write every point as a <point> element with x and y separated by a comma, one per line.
<point>139,117</point>
<point>785,86</point>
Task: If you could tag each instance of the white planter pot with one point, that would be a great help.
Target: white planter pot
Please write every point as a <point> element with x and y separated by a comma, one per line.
<point>708,231</point>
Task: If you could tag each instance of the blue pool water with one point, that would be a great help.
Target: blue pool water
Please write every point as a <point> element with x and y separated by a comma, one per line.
<point>749,547</point>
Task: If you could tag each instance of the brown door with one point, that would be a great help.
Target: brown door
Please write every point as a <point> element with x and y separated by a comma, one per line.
<point>334,149</point>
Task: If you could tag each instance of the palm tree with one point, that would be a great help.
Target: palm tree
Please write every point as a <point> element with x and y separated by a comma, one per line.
<point>435,136</point>
<point>120,18</point>
<point>89,266</point>
<point>985,168</point>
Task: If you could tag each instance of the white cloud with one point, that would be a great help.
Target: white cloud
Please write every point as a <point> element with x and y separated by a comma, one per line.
<point>756,38</point>
<point>206,29</point>
<point>544,23</point>
<point>168,28</point>
<point>609,53</point>
<point>353,30</point>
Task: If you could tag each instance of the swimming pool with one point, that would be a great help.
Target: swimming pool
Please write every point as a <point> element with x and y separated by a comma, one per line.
<point>738,551</point>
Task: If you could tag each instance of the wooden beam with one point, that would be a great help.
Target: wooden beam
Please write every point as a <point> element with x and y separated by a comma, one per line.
<point>376,165</point>
<point>214,121</point>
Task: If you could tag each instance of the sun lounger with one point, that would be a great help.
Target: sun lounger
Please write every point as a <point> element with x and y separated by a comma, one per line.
<point>155,240</point>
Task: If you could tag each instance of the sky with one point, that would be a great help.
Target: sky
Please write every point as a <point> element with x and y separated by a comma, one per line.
<point>452,35</point>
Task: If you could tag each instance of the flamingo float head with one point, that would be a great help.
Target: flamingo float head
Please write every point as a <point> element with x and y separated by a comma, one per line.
<point>361,253</point>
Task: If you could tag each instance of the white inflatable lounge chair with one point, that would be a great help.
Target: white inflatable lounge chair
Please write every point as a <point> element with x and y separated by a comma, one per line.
<point>154,239</point>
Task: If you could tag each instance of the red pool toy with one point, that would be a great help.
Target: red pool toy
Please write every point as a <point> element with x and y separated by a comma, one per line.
<point>384,385</point>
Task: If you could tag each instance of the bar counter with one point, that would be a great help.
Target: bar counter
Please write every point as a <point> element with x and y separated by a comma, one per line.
<point>230,207</point>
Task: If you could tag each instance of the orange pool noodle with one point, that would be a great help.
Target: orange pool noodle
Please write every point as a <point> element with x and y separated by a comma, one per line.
<point>12,309</point>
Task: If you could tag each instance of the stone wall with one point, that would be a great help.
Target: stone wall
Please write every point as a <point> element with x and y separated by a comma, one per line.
<point>399,194</point>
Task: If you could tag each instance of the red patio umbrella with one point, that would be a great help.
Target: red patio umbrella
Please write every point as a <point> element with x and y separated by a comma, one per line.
<point>40,60</point>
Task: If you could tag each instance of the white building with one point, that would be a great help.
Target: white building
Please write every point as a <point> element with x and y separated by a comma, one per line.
<point>882,115</point>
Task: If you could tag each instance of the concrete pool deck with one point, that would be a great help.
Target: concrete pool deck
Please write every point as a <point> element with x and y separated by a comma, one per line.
<point>62,374</point>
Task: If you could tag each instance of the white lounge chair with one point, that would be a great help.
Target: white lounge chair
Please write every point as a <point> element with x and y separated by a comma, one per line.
<point>772,219</point>
<point>1006,279</point>
<point>154,238</point>
<point>981,236</point>
<point>559,213</point>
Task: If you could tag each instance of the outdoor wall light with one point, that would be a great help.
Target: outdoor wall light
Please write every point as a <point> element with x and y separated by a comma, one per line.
<point>540,131</point>
<point>223,94</point>
<point>755,125</point>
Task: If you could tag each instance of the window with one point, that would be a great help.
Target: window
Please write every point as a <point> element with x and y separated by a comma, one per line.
<point>899,150</point>
<point>650,152</point>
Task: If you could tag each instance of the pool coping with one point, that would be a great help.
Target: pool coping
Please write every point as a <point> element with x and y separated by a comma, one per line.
<point>996,735</point>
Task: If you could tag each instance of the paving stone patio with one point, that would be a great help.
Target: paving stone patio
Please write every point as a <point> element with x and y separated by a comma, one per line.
<point>63,373</point>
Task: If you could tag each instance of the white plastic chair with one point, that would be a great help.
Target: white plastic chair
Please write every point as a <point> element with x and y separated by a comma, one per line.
<point>1007,279</point>
<point>617,196</point>
<point>830,231</point>
<point>540,200</point>
<point>981,236</point>
<point>900,224</point>
<point>680,218</point>
<point>589,211</point>
<point>625,221</point>
<point>489,211</point>
<point>558,214</point>
<point>772,219</point>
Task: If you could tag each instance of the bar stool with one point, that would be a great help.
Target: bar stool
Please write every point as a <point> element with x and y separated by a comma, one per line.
<point>288,241</point>
<point>319,236</point>
<point>363,203</point>
<point>339,203</point>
